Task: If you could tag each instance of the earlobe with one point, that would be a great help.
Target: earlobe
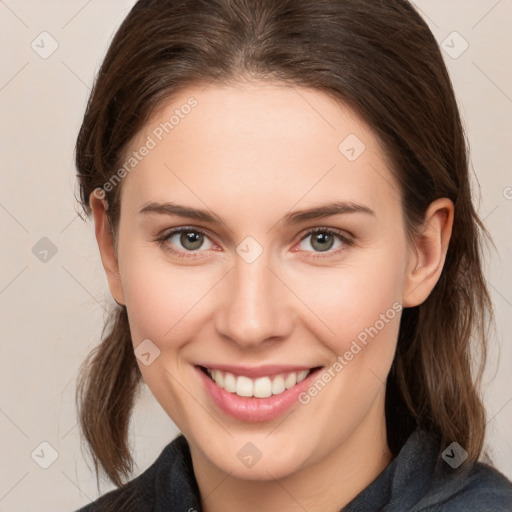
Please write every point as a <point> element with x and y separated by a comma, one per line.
<point>105,240</point>
<point>428,253</point>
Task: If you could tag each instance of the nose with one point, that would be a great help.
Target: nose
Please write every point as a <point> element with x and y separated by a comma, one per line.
<point>254,306</point>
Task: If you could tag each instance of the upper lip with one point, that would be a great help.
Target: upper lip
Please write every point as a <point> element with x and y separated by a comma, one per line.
<point>257,371</point>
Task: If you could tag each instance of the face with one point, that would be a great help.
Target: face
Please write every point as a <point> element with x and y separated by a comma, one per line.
<point>296,312</point>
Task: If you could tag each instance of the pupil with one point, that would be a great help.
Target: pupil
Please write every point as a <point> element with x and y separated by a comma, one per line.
<point>191,240</point>
<point>323,240</point>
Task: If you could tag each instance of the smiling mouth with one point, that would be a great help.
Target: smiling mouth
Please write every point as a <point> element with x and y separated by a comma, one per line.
<point>261,387</point>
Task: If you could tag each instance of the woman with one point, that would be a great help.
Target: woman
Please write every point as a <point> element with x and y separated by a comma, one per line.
<point>282,205</point>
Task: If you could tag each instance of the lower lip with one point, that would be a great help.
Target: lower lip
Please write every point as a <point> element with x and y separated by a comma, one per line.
<point>253,409</point>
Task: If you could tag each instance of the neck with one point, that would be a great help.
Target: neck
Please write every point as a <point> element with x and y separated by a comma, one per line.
<point>326,486</point>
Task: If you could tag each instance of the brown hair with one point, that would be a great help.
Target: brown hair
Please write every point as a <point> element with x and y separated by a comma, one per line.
<point>380,59</point>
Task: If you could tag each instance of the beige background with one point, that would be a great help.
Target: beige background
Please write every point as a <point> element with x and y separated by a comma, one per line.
<point>52,312</point>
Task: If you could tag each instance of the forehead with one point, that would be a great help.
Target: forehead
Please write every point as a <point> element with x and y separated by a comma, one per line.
<point>266,143</point>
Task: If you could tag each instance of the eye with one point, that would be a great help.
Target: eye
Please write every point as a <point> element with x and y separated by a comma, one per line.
<point>190,239</point>
<point>323,239</point>
<point>193,239</point>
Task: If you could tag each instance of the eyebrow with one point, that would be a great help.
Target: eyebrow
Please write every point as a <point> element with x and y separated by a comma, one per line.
<point>292,218</point>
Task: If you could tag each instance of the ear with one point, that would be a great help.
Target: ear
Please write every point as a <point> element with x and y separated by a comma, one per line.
<point>428,252</point>
<point>105,240</point>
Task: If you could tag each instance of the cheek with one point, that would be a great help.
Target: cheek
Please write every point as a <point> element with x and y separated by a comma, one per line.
<point>360,300</point>
<point>165,304</point>
<point>162,299</point>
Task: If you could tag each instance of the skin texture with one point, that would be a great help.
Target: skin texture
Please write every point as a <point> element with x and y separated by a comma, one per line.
<point>251,153</point>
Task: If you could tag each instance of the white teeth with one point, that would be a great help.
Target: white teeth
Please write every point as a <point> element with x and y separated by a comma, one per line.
<point>278,385</point>
<point>218,377</point>
<point>262,387</point>
<point>302,375</point>
<point>290,381</point>
<point>243,386</point>
<point>229,383</point>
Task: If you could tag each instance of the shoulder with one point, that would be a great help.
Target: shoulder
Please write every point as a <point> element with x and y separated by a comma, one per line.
<point>421,480</point>
<point>479,489</point>
<point>139,494</point>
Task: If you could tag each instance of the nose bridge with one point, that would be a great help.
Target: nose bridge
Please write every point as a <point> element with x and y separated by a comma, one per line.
<point>254,305</point>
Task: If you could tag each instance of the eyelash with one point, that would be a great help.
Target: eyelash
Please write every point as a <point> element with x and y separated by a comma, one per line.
<point>347,242</point>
